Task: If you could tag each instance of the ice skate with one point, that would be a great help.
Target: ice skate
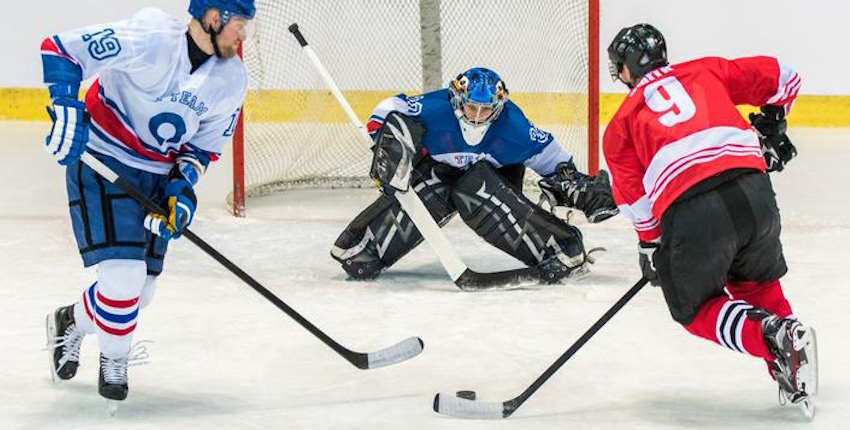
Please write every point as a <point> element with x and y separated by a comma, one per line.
<point>795,366</point>
<point>112,381</point>
<point>63,343</point>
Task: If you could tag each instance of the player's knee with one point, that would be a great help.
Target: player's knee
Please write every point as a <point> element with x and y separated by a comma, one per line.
<point>121,279</point>
<point>148,291</point>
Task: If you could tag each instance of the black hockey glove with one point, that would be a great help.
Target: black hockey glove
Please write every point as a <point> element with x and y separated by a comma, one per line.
<point>771,126</point>
<point>646,252</point>
<point>589,194</point>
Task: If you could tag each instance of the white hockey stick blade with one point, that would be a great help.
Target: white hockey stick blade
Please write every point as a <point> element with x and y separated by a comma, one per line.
<point>404,350</point>
<point>451,405</point>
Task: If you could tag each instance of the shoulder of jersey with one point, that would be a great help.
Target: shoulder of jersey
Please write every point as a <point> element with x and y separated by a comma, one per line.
<point>158,20</point>
<point>514,116</point>
<point>433,101</point>
<point>158,28</point>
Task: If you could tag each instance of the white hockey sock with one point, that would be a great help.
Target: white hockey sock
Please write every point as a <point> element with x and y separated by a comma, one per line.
<point>116,304</point>
<point>148,291</point>
<point>83,312</point>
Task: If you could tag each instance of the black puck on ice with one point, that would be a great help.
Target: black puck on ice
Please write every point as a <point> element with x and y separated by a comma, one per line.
<point>468,395</point>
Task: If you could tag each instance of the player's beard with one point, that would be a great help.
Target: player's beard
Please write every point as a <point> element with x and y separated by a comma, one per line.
<point>227,51</point>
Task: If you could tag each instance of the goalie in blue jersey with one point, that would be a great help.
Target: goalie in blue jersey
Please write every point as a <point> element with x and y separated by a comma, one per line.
<point>472,148</point>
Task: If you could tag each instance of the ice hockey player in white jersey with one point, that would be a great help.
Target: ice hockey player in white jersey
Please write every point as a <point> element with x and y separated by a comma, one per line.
<point>163,106</point>
<point>472,148</point>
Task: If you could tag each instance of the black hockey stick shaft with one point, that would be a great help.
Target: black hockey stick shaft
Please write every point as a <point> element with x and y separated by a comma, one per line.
<point>452,405</point>
<point>511,405</point>
<point>358,359</point>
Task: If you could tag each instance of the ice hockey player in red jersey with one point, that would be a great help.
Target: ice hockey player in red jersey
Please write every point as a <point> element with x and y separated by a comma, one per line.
<point>691,174</point>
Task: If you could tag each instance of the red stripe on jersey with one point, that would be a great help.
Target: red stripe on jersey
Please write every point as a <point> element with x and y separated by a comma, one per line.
<point>373,125</point>
<point>117,303</point>
<point>48,46</point>
<point>107,120</point>
<point>115,331</point>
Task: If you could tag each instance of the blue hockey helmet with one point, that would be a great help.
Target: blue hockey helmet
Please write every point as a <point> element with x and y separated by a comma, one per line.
<point>478,96</point>
<point>227,9</point>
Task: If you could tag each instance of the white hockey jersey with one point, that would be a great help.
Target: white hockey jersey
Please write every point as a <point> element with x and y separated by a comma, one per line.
<point>145,106</point>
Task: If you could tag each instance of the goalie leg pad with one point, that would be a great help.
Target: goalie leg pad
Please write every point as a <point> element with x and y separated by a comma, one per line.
<point>509,221</point>
<point>382,234</point>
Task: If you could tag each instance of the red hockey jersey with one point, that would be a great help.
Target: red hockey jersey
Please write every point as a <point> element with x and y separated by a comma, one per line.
<point>679,126</point>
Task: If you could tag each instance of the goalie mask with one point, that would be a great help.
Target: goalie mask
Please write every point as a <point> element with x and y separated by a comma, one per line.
<point>641,48</point>
<point>478,96</point>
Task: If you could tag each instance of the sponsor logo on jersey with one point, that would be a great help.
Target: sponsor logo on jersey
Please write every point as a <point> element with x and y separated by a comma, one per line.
<point>187,99</point>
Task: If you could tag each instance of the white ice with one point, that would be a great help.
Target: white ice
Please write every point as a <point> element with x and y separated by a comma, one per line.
<point>223,357</point>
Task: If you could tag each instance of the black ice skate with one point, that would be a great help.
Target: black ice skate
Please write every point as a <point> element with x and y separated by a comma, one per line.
<point>112,384</point>
<point>795,366</point>
<point>63,343</point>
<point>561,266</point>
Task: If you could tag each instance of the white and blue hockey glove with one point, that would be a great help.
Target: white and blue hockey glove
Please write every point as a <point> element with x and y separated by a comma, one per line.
<point>70,133</point>
<point>181,203</point>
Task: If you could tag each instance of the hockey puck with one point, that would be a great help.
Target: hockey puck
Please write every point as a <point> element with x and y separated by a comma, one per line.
<point>468,395</point>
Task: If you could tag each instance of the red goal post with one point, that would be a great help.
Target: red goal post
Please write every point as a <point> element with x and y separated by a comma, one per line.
<point>291,134</point>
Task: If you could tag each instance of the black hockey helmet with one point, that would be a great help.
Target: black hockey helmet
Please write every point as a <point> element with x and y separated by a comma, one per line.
<point>641,48</point>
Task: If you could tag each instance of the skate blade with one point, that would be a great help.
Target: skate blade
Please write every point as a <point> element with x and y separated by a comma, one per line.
<point>800,400</point>
<point>112,407</point>
<point>807,406</point>
<point>50,326</point>
<point>807,374</point>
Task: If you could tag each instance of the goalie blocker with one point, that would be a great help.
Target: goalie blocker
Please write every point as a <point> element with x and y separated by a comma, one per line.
<point>489,201</point>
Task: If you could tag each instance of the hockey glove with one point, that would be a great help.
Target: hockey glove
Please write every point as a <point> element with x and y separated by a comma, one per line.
<point>771,126</point>
<point>180,203</point>
<point>589,194</point>
<point>646,252</point>
<point>398,147</point>
<point>70,132</point>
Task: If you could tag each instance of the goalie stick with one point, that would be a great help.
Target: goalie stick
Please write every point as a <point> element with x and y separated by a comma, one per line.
<point>399,352</point>
<point>464,278</point>
<point>452,405</point>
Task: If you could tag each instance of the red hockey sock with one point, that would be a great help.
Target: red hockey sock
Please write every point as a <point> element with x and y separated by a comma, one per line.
<point>725,322</point>
<point>766,295</point>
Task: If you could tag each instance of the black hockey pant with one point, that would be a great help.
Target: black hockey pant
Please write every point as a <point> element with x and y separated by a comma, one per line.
<point>728,233</point>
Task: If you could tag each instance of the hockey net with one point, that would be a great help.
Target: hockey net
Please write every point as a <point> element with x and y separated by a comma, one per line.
<point>294,134</point>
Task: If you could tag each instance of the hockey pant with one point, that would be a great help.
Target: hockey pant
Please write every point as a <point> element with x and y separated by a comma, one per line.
<point>720,257</point>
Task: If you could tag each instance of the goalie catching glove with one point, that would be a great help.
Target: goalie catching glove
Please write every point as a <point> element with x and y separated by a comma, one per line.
<point>589,194</point>
<point>770,125</point>
<point>396,150</point>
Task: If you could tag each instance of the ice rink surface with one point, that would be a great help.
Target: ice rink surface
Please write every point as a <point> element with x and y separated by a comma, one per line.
<point>223,357</point>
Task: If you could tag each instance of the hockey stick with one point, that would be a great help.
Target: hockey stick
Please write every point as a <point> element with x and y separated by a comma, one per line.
<point>399,352</point>
<point>452,405</point>
<point>465,278</point>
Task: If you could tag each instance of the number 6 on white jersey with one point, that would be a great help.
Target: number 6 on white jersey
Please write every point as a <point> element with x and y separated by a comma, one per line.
<point>669,97</point>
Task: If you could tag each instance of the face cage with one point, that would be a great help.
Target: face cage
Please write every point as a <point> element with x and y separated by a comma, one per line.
<point>495,107</point>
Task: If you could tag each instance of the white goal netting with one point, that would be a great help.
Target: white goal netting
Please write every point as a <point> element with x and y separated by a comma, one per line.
<point>296,135</point>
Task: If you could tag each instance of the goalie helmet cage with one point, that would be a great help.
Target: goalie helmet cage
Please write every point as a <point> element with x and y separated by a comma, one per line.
<point>293,134</point>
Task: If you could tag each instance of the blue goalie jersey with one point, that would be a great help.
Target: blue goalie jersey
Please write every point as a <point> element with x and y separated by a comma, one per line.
<point>510,139</point>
